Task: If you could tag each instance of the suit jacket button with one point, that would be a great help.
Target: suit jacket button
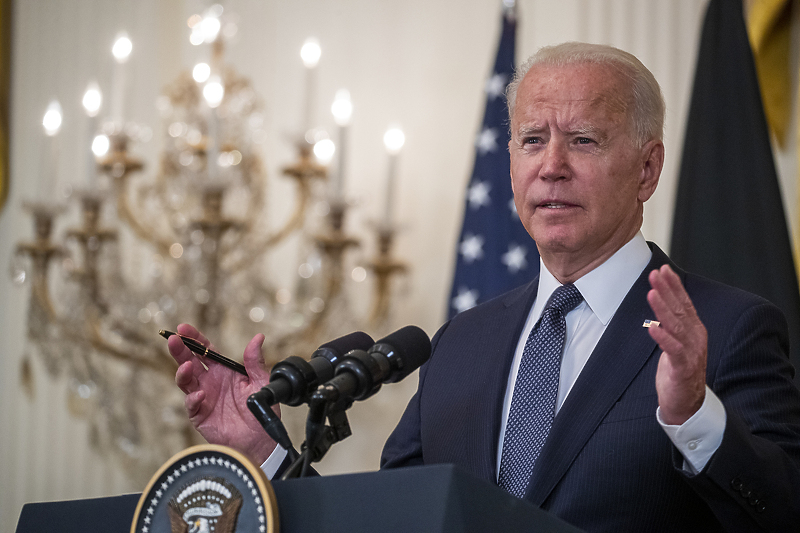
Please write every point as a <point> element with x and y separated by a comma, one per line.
<point>736,484</point>
<point>746,493</point>
<point>753,500</point>
<point>761,507</point>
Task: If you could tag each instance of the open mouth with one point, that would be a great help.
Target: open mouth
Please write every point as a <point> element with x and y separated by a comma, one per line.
<point>554,205</point>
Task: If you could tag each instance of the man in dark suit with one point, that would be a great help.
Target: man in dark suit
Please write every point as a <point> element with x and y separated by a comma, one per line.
<point>692,424</point>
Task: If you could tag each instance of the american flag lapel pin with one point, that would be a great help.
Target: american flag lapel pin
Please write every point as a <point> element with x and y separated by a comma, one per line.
<point>651,324</point>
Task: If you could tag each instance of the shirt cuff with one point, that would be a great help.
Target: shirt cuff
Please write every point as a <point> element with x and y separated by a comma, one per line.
<point>699,437</point>
<point>273,462</point>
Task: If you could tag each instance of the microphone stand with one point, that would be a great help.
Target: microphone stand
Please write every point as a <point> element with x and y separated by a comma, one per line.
<point>272,425</point>
<point>324,403</point>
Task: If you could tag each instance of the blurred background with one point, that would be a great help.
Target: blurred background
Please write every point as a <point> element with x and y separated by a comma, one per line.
<point>94,413</point>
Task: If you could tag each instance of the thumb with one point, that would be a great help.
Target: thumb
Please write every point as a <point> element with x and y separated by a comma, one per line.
<point>254,360</point>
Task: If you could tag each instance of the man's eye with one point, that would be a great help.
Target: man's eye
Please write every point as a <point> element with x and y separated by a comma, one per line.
<point>584,140</point>
<point>532,140</point>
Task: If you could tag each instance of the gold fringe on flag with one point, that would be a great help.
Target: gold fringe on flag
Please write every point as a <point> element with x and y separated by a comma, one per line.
<point>769,29</point>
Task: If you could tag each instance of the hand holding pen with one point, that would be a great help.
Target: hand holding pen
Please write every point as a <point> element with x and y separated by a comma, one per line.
<point>216,397</point>
<point>203,351</point>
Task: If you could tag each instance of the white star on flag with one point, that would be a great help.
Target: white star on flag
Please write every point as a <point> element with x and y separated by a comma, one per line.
<point>495,86</point>
<point>487,263</point>
<point>478,194</point>
<point>514,258</point>
<point>472,248</point>
<point>466,299</point>
<point>487,141</point>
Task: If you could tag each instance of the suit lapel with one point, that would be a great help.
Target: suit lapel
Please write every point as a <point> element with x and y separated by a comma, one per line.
<point>616,360</point>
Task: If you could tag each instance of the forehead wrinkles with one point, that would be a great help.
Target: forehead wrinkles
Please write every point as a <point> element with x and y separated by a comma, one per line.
<point>576,93</point>
<point>590,115</point>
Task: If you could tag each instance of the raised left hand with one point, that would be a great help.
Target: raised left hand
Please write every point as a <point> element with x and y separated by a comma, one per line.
<point>681,374</point>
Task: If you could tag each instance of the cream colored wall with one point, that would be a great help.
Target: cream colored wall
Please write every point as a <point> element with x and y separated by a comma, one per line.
<point>417,62</point>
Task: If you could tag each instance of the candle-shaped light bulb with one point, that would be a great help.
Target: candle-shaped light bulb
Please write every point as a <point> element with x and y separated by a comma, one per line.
<point>100,145</point>
<point>122,48</point>
<point>209,28</point>
<point>342,108</point>
<point>324,150</point>
<point>213,91</point>
<point>52,124</point>
<point>394,139</point>
<point>310,52</point>
<point>52,119</point>
<point>92,100</point>
<point>122,51</point>
<point>201,72</point>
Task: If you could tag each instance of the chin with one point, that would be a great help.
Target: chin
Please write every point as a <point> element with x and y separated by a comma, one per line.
<point>557,240</point>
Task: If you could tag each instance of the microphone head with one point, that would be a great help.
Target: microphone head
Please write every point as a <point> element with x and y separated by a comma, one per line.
<point>335,349</point>
<point>407,349</point>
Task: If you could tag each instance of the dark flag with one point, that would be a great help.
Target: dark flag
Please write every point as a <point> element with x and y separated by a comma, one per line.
<point>495,253</point>
<point>729,219</point>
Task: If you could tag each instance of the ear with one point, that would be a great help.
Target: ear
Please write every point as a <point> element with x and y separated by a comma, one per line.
<point>511,167</point>
<point>652,163</point>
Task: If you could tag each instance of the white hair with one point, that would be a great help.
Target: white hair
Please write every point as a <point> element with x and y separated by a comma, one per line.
<point>648,107</point>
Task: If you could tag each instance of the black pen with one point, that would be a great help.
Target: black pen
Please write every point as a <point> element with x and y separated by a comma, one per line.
<point>202,351</point>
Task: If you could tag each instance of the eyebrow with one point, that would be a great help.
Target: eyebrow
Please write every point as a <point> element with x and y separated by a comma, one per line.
<point>586,130</point>
<point>525,131</point>
<point>589,130</point>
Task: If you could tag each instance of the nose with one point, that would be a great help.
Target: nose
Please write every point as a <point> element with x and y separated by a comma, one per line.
<point>555,164</point>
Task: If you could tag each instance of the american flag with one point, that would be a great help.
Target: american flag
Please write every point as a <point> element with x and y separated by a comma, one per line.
<point>495,253</point>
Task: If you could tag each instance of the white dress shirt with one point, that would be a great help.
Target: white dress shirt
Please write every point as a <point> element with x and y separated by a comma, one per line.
<point>603,290</point>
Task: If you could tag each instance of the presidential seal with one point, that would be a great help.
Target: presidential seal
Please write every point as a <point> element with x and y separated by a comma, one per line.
<point>207,489</point>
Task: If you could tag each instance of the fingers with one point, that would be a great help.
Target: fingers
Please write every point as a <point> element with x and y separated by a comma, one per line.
<point>668,297</point>
<point>254,360</point>
<point>193,402</point>
<point>187,330</point>
<point>178,350</point>
<point>673,309</point>
<point>680,379</point>
<point>185,378</point>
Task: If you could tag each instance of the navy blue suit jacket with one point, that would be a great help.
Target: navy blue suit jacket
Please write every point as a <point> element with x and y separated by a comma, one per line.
<point>607,465</point>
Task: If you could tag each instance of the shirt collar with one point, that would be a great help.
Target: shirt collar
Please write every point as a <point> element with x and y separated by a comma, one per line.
<point>605,287</point>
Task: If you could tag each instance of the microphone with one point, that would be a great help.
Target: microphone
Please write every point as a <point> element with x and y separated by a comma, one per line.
<point>292,380</point>
<point>360,374</point>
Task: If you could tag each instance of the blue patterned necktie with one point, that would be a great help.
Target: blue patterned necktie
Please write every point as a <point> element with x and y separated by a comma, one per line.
<point>533,404</point>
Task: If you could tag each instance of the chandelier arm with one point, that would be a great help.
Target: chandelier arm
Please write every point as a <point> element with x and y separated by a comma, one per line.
<point>256,205</point>
<point>40,254</point>
<point>146,234</point>
<point>384,266</point>
<point>41,293</point>
<point>294,223</point>
<point>157,363</point>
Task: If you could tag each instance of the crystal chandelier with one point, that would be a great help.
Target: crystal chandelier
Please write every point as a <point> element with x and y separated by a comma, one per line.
<point>189,243</point>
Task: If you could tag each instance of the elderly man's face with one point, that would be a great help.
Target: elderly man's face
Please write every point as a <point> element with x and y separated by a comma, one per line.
<point>579,179</point>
